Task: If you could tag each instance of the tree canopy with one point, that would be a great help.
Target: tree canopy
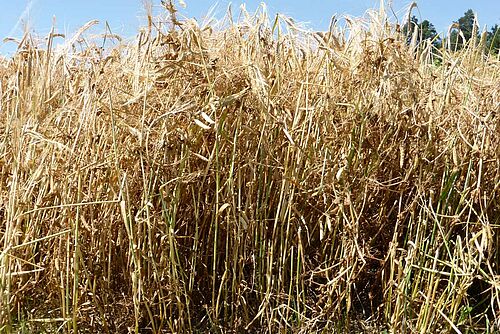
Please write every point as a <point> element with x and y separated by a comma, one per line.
<point>464,29</point>
<point>426,31</point>
<point>493,40</point>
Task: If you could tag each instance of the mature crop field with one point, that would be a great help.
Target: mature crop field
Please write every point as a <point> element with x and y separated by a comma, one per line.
<point>250,176</point>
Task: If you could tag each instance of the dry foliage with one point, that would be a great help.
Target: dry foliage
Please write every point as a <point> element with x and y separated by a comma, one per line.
<point>251,176</point>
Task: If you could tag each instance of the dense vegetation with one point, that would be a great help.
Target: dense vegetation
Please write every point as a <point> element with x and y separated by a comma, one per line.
<point>460,33</point>
<point>250,176</point>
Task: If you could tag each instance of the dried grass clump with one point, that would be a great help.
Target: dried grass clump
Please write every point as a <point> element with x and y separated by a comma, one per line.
<point>250,176</point>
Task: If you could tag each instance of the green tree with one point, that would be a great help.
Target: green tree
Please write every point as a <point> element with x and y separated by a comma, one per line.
<point>467,26</point>
<point>493,40</point>
<point>429,32</point>
<point>426,31</point>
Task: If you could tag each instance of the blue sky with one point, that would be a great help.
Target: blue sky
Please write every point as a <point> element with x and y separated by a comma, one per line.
<point>125,16</point>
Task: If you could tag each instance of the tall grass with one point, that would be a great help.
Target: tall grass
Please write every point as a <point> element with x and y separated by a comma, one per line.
<point>250,176</point>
